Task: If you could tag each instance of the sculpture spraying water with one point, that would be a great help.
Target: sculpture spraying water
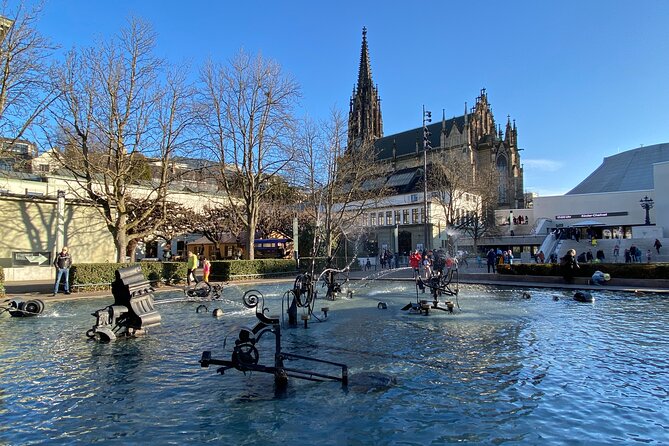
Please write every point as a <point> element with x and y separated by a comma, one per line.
<point>444,281</point>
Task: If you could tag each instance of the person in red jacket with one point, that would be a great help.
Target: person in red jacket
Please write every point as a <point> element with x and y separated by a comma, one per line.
<point>414,262</point>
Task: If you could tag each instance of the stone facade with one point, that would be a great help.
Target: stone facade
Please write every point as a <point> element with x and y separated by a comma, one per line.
<point>474,136</point>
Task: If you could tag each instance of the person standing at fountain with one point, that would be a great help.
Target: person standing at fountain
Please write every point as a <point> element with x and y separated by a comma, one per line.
<point>63,262</point>
<point>191,266</point>
<point>492,258</point>
<point>414,262</point>
<point>569,266</point>
<point>206,269</point>
<point>657,245</point>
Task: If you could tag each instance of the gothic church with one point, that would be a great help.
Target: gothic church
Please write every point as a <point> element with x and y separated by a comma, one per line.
<point>474,135</point>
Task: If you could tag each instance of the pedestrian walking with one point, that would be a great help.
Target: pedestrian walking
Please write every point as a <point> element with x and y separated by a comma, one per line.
<point>191,266</point>
<point>657,245</point>
<point>63,262</point>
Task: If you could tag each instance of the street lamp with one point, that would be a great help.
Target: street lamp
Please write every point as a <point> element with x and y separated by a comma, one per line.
<point>647,204</point>
<point>427,117</point>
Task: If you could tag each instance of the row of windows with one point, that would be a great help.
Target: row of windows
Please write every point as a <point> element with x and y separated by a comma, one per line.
<point>410,216</point>
<point>397,217</point>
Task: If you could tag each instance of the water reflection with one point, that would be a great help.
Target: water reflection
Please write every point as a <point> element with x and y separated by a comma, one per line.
<point>504,369</point>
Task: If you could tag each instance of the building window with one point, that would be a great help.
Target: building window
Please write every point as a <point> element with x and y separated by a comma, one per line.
<point>365,220</point>
<point>414,215</point>
<point>380,218</point>
<point>502,170</point>
<point>397,218</point>
<point>389,218</point>
<point>422,215</point>
<point>405,216</point>
<point>372,219</point>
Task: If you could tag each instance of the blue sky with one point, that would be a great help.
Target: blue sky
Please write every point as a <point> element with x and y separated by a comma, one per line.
<point>582,79</point>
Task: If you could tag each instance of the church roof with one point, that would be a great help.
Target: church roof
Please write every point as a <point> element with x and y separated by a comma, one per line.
<point>627,171</point>
<point>405,142</point>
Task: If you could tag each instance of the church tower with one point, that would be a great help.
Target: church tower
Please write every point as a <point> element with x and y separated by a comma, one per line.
<point>364,116</point>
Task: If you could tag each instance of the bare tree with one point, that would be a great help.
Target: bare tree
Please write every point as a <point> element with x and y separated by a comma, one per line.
<point>451,178</point>
<point>219,224</point>
<point>25,90</point>
<point>121,117</point>
<point>340,184</point>
<point>249,105</point>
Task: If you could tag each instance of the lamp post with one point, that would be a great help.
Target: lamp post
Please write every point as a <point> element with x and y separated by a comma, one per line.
<point>647,204</point>
<point>427,117</point>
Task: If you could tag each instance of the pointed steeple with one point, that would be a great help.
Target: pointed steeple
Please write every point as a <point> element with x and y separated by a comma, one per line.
<point>365,70</point>
<point>364,120</point>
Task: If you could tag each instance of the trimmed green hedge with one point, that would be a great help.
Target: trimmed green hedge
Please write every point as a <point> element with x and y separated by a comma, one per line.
<point>616,270</point>
<point>2,282</point>
<point>224,270</point>
<point>104,273</point>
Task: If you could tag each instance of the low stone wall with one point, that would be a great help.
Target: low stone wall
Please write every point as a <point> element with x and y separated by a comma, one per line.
<point>25,273</point>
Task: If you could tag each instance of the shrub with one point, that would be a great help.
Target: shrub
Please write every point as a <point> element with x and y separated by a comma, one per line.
<point>97,276</point>
<point>225,270</point>
<point>2,282</point>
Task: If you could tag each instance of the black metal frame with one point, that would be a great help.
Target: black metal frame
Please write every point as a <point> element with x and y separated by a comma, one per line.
<point>439,284</point>
<point>245,355</point>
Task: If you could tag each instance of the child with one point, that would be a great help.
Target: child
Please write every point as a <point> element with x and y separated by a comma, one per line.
<point>648,255</point>
<point>206,269</point>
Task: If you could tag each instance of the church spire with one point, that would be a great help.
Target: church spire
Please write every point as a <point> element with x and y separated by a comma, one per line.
<point>364,120</point>
<point>365,70</point>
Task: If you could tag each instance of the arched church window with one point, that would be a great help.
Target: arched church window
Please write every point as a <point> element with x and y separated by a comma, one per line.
<point>503,172</point>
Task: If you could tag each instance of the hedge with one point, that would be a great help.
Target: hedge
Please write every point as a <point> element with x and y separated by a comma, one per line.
<point>98,275</point>
<point>616,270</point>
<point>225,270</point>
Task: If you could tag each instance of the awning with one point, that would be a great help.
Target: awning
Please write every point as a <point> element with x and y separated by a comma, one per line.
<point>585,223</point>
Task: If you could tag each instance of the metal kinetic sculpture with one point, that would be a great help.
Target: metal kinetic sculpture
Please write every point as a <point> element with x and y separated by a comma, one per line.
<point>246,356</point>
<point>20,308</point>
<point>133,309</point>
<point>443,281</point>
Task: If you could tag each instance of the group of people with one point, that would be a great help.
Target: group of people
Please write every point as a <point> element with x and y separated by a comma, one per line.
<point>192,264</point>
<point>496,257</point>
<point>427,263</point>
<point>520,220</point>
<point>387,258</point>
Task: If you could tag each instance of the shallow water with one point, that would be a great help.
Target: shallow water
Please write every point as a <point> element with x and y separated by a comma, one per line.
<point>503,370</point>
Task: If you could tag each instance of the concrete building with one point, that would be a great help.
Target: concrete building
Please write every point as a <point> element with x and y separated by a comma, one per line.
<point>624,202</point>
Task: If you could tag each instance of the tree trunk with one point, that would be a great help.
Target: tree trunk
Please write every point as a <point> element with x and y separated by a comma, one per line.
<point>130,250</point>
<point>120,238</point>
